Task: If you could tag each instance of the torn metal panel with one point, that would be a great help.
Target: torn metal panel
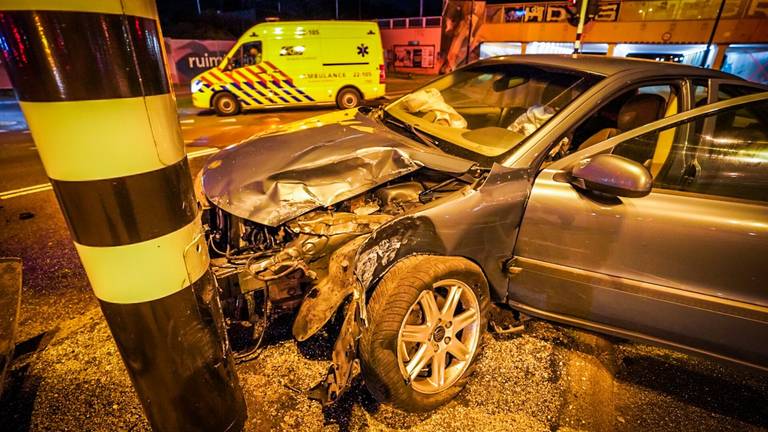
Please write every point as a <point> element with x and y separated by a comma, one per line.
<point>274,178</point>
<point>323,299</point>
<point>345,364</point>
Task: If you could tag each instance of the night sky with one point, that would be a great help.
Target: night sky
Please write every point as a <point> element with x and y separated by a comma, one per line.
<point>302,9</point>
<point>227,19</point>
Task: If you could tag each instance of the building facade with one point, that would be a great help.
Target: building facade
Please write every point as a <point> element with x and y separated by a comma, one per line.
<point>664,30</point>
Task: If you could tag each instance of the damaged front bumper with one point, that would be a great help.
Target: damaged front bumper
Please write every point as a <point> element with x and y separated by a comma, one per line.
<point>315,271</point>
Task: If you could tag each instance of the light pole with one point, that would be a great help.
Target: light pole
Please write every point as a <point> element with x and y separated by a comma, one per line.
<point>712,35</point>
<point>580,27</point>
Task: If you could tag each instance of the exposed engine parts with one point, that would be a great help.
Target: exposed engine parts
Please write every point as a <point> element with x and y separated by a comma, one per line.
<point>269,253</point>
<point>396,198</point>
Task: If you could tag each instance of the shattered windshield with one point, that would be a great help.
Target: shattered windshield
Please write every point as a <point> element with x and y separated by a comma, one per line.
<point>489,109</point>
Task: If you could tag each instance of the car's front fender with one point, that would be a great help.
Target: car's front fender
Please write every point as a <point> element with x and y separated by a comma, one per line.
<point>354,268</point>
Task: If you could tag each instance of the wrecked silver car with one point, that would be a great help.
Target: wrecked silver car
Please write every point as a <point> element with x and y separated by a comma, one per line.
<point>400,223</point>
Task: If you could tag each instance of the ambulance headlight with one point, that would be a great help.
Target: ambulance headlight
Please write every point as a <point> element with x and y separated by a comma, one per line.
<point>196,86</point>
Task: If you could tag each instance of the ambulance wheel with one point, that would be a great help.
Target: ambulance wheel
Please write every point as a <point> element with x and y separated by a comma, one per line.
<point>226,104</point>
<point>348,98</point>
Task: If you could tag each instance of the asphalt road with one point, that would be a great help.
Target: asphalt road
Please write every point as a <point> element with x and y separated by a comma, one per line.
<point>67,374</point>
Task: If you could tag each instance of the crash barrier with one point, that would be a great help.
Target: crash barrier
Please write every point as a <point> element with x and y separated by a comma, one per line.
<point>92,83</point>
<point>10,301</point>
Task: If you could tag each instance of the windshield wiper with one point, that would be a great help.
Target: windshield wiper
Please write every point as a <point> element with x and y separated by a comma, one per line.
<point>413,130</point>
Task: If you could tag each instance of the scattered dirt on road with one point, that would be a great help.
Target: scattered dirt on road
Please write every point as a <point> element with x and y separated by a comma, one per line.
<point>542,380</point>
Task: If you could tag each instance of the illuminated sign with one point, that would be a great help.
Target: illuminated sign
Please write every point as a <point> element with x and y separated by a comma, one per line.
<point>555,12</point>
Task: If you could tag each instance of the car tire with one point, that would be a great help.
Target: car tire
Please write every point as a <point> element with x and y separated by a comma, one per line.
<point>226,104</point>
<point>348,98</point>
<point>393,311</point>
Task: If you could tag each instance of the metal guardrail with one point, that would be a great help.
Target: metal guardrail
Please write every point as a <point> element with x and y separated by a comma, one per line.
<point>410,22</point>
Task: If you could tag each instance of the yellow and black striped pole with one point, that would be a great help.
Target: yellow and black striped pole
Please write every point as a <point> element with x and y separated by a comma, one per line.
<point>91,79</point>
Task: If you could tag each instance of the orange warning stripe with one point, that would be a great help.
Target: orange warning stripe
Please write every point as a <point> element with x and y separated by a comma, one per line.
<point>246,82</point>
<point>254,78</point>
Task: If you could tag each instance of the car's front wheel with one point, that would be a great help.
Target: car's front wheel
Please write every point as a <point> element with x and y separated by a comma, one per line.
<point>426,321</point>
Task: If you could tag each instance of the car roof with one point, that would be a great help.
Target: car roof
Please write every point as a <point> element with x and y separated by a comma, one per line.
<point>607,66</point>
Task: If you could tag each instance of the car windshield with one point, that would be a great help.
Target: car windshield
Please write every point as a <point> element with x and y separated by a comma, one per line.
<point>489,109</point>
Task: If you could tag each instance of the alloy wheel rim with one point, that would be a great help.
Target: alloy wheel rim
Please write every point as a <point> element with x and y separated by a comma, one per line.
<point>439,336</point>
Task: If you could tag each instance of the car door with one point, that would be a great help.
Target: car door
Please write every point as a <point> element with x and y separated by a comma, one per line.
<point>682,266</point>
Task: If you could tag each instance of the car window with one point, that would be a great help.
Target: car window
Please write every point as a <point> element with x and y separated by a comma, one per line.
<point>630,109</point>
<point>700,93</point>
<point>728,91</point>
<point>249,54</point>
<point>724,154</point>
<point>489,110</point>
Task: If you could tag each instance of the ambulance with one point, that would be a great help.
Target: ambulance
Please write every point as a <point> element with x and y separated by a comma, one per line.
<point>277,64</point>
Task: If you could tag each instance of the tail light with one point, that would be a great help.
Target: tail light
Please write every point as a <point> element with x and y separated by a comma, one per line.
<point>382,74</point>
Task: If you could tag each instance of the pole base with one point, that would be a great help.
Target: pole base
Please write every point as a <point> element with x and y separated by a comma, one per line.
<point>183,374</point>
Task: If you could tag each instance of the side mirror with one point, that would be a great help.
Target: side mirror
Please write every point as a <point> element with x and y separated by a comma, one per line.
<point>612,175</point>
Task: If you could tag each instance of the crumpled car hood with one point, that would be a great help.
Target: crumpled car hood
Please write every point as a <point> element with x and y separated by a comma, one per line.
<point>278,176</point>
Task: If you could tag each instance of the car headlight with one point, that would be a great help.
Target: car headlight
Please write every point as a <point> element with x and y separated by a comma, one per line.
<point>196,85</point>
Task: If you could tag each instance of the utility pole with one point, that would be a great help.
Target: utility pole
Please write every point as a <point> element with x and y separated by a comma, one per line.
<point>92,82</point>
<point>712,35</point>
<point>580,28</point>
